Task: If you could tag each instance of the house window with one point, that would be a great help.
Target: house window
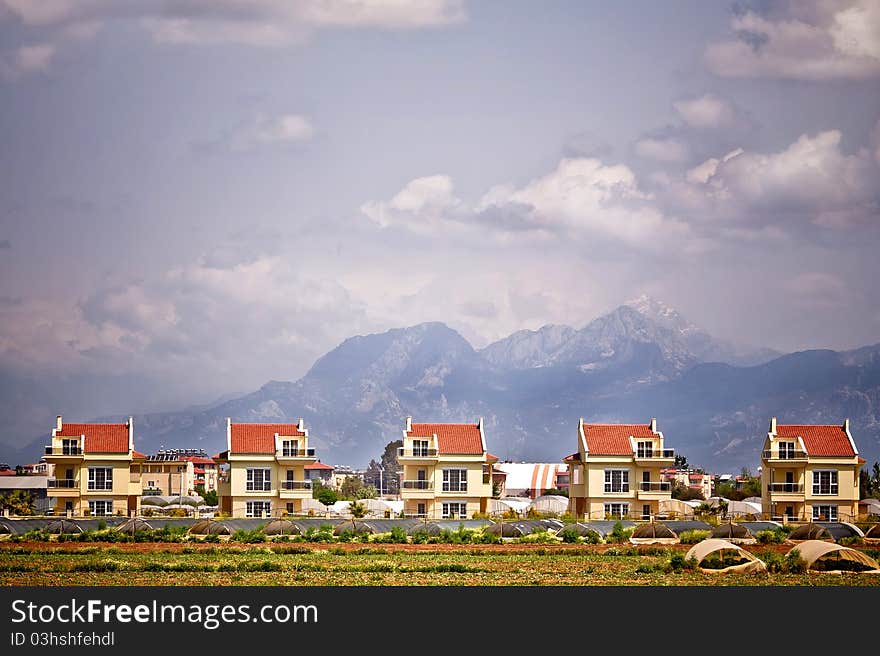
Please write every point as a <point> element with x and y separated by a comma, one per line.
<point>101,507</point>
<point>645,449</point>
<point>289,507</point>
<point>786,450</point>
<point>617,510</point>
<point>454,510</point>
<point>825,482</point>
<point>100,478</point>
<point>258,508</point>
<point>646,511</point>
<point>258,480</point>
<point>420,509</point>
<point>617,480</point>
<point>420,448</point>
<point>70,447</point>
<point>289,448</point>
<point>825,513</point>
<point>455,480</point>
<point>576,475</point>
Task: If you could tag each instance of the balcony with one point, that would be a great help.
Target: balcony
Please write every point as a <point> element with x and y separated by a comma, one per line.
<point>650,490</point>
<point>416,486</point>
<point>785,488</point>
<point>283,454</point>
<point>417,454</point>
<point>151,492</point>
<point>655,454</point>
<point>296,485</point>
<point>784,455</point>
<point>62,487</point>
<point>63,452</point>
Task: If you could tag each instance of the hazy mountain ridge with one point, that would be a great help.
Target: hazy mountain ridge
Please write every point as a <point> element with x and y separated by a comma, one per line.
<point>635,363</point>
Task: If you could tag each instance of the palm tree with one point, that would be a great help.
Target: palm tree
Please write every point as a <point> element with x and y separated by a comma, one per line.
<point>358,511</point>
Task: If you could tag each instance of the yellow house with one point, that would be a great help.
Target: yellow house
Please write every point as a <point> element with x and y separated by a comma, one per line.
<point>92,465</point>
<point>810,472</point>
<point>166,474</point>
<point>266,475</point>
<point>616,471</point>
<point>446,470</point>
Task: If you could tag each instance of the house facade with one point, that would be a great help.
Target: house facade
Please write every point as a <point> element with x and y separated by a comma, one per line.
<point>165,474</point>
<point>92,469</point>
<point>810,472</point>
<point>446,470</point>
<point>617,471</point>
<point>266,475</point>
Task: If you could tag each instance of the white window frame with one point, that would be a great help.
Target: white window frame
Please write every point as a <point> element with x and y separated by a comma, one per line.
<point>622,507</point>
<point>623,483</point>
<point>252,507</point>
<point>70,447</point>
<point>107,505</point>
<point>290,448</point>
<point>833,483</point>
<point>265,483</point>
<point>454,510</point>
<point>461,475</point>
<point>645,449</point>
<point>787,453</point>
<point>107,482</point>
<point>420,448</point>
<point>831,515</point>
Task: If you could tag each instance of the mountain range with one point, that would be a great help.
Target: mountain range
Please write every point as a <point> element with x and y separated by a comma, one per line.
<point>713,399</point>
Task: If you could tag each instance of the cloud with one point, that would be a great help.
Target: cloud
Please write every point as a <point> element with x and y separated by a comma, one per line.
<point>582,196</point>
<point>662,149</point>
<point>260,23</point>
<point>875,141</point>
<point>811,181</point>
<point>706,111</point>
<point>809,40</point>
<point>27,59</point>
<point>817,290</point>
<point>262,132</point>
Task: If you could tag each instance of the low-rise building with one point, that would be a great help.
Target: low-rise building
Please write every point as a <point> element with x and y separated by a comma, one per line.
<point>93,469</point>
<point>532,479</point>
<point>446,470</point>
<point>810,472</point>
<point>266,474</point>
<point>616,471</point>
<point>165,474</point>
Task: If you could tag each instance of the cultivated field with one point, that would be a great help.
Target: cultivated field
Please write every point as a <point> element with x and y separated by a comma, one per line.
<point>47,564</point>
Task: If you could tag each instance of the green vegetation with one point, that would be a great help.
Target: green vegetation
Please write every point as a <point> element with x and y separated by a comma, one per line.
<point>692,537</point>
<point>777,535</point>
<point>619,534</point>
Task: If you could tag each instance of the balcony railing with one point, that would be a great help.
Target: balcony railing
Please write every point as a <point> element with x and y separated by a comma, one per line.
<point>790,488</point>
<point>416,453</point>
<point>656,453</point>
<point>63,451</point>
<point>65,483</point>
<point>296,453</point>
<point>296,485</point>
<point>784,455</point>
<point>654,486</point>
<point>416,485</point>
<point>151,492</point>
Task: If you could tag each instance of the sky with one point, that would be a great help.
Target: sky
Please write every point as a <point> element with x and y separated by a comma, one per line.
<point>209,194</point>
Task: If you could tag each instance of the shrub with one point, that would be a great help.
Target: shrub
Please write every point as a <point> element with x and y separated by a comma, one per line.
<point>650,568</point>
<point>850,541</point>
<point>677,562</point>
<point>291,550</point>
<point>692,537</point>
<point>323,533</point>
<point>793,562</point>
<point>398,535</point>
<point>96,566</point>
<point>774,561</point>
<point>263,566</point>
<point>570,536</point>
<point>538,536</point>
<point>772,536</point>
<point>619,534</point>
<point>248,537</point>
<point>419,537</point>
<point>482,537</point>
<point>102,525</point>
<point>621,551</point>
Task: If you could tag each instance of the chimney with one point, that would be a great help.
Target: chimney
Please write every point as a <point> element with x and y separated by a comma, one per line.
<point>58,423</point>
<point>846,425</point>
<point>653,424</point>
<point>130,434</point>
<point>302,425</point>
<point>773,425</point>
<point>409,424</point>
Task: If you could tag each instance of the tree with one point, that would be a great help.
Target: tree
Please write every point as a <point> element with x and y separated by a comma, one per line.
<point>18,502</point>
<point>327,496</point>
<point>556,491</point>
<point>351,486</point>
<point>681,461</point>
<point>684,492</point>
<point>387,466</point>
<point>210,496</point>
<point>357,510</point>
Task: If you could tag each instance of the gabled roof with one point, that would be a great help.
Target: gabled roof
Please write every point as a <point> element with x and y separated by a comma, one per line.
<point>260,438</point>
<point>100,438</point>
<point>613,439</point>
<point>452,438</point>
<point>198,460</point>
<point>137,455</point>
<point>819,440</point>
<point>319,465</point>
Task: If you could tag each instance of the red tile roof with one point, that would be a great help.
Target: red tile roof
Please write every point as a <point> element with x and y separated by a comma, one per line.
<point>198,460</point>
<point>260,438</point>
<point>100,438</point>
<point>819,440</point>
<point>138,455</point>
<point>452,438</point>
<point>613,439</point>
<point>572,457</point>
<point>319,465</point>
